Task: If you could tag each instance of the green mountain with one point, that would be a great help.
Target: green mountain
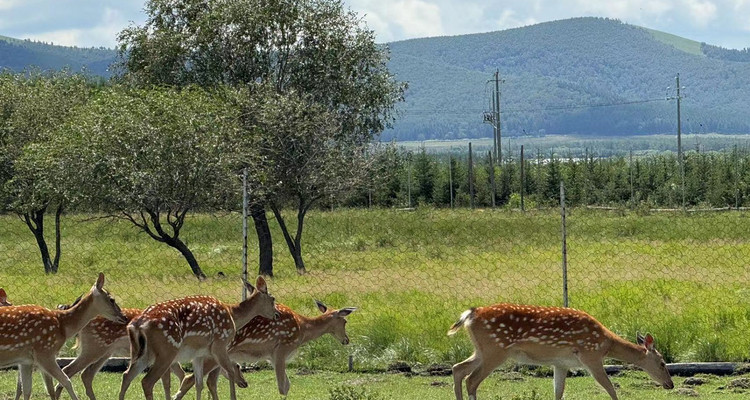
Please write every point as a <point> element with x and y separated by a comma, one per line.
<point>18,54</point>
<point>585,76</point>
<point>571,77</point>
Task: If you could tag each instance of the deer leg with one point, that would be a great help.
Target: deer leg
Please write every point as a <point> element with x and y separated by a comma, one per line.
<point>560,374</point>
<point>87,376</point>
<point>49,385</point>
<point>219,352</point>
<point>198,374</point>
<point>212,378</point>
<point>187,382</point>
<point>48,365</point>
<point>178,371</point>
<point>24,381</point>
<point>79,364</point>
<point>136,367</point>
<point>460,371</point>
<point>158,369</point>
<point>596,369</point>
<point>481,372</point>
<point>279,366</point>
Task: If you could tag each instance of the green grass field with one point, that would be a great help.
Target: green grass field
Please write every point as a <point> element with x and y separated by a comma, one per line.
<point>357,386</point>
<point>682,277</point>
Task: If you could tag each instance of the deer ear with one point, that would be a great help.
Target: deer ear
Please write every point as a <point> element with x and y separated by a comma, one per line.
<point>99,282</point>
<point>3,296</point>
<point>321,307</point>
<point>248,286</point>
<point>639,338</point>
<point>649,342</point>
<point>346,311</point>
<point>260,283</point>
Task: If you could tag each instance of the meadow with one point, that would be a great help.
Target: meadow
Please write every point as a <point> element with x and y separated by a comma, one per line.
<point>681,276</point>
<point>504,385</point>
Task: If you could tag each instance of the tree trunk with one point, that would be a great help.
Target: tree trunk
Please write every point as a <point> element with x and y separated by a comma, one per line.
<point>294,245</point>
<point>265,243</point>
<point>35,221</point>
<point>185,251</point>
<point>56,262</point>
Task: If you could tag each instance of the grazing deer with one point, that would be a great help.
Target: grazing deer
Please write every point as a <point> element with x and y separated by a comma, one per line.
<point>275,341</point>
<point>4,298</point>
<point>100,340</point>
<point>32,335</point>
<point>562,337</point>
<point>190,329</point>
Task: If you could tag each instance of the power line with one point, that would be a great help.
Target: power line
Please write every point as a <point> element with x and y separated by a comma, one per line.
<point>522,110</point>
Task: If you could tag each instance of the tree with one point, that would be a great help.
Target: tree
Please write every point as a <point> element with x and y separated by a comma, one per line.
<point>151,156</point>
<point>32,105</point>
<point>314,48</point>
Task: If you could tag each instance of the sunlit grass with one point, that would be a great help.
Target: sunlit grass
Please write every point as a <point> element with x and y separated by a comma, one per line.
<point>683,277</point>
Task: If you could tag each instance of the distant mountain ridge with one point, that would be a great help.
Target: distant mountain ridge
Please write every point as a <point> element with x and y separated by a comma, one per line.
<point>569,76</point>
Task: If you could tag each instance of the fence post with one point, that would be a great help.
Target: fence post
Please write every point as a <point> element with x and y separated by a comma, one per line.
<point>523,179</point>
<point>244,232</point>
<point>471,178</point>
<point>564,246</point>
<point>450,178</point>
<point>492,178</point>
<point>409,181</point>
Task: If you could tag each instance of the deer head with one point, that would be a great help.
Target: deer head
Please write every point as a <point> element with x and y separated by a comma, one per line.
<point>337,327</point>
<point>4,298</point>
<point>102,302</point>
<point>653,362</point>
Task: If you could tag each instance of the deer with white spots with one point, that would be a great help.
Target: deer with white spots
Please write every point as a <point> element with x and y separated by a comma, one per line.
<point>192,329</point>
<point>275,341</point>
<point>100,340</point>
<point>564,338</point>
<point>32,335</point>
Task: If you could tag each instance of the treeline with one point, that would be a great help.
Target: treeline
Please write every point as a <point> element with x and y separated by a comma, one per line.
<point>711,179</point>
<point>742,55</point>
<point>201,101</point>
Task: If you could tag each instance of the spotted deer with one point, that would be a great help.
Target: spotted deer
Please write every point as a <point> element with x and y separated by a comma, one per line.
<point>564,338</point>
<point>100,340</point>
<point>32,335</point>
<point>275,341</point>
<point>192,329</point>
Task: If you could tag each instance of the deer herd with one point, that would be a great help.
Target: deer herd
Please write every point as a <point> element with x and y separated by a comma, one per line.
<point>214,336</point>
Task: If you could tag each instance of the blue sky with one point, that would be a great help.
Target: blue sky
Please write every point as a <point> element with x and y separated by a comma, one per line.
<point>96,23</point>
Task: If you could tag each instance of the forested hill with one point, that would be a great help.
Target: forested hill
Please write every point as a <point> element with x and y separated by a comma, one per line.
<point>551,69</point>
<point>553,73</point>
<point>19,54</point>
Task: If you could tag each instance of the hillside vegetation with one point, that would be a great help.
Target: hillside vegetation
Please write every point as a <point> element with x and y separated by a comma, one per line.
<point>553,73</point>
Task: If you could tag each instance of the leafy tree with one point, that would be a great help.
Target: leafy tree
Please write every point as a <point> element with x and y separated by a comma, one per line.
<point>315,48</point>
<point>32,105</point>
<point>151,156</point>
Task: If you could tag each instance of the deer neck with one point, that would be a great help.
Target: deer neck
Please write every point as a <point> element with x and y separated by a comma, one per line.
<point>244,312</point>
<point>315,327</point>
<point>623,350</point>
<point>75,318</point>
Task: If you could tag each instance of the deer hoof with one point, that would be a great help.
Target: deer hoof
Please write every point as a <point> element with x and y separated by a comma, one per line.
<point>242,383</point>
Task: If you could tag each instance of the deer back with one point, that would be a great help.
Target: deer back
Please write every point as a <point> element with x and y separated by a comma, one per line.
<point>178,319</point>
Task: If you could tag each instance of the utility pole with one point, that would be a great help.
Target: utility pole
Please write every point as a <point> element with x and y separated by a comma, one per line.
<point>679,138</point>
<point>498,137</point>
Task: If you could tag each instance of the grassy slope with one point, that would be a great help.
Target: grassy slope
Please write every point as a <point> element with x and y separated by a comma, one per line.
<point>499,386</point>
<point>680,277</point>
<point>679,42</point>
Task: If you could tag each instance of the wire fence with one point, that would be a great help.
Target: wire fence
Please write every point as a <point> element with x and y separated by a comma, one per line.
<point>682,276</point>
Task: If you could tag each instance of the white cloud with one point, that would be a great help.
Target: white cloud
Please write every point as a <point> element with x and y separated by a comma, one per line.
<point>104,33</point>
<point>702,12</point>
<point>417,18</point>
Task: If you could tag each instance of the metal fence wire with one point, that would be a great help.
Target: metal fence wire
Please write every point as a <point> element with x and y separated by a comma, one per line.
<point>678,273</point>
